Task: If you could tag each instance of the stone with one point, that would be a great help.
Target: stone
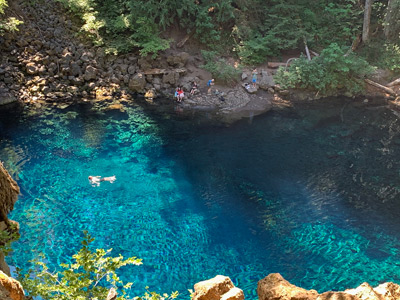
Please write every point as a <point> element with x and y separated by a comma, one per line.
<point>10,289</point>
<point>233,294</point>
<point>178,60</point>
<point>31,68</point>
<point>90,73</point>
<point>6,98</point>
<point>274,286</point>
<point>75,69</point>
<point>218,288</point>
<point>171,78</point>
<point>249,88</point>
<point>131,69</point>
<point>265,80</point>
<point>137,83</point>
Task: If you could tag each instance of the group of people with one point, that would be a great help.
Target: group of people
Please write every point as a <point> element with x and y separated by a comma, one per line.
<point>180,94</point>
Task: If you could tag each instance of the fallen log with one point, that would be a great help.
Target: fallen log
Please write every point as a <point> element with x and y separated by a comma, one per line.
<point>184,40</point>
<point>394,82</point>
<point>380,86</point>
<point>163,71</point>
<point>275,65</point>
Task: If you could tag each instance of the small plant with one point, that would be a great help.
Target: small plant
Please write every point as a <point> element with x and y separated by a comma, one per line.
<point>89,277</point>
<point>7,24</point>
<point>7,237</point>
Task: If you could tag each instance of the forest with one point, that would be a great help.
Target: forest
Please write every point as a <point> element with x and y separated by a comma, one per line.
<point>366,34</point>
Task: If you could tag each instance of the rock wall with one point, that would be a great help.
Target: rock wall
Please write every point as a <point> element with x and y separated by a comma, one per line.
<point>44,60</point>
<point>9,192</point>
<point>275,287</point>
<point>10,289</point>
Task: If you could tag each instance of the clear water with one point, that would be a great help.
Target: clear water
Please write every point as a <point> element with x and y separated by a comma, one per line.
<point>310,192</point>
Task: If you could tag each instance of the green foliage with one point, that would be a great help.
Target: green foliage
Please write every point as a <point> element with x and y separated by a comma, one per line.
<point>85,10</point>
<point>8,24</point>
<point>220,69</point>
<point>89,277</point>
<point>285,25</point>
<point>332,71</point>
<point>7,237</point>
<point>384,55</point>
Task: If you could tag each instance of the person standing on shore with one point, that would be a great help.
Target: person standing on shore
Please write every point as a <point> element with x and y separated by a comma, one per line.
<point>210,83</point>
<point>254,78</point>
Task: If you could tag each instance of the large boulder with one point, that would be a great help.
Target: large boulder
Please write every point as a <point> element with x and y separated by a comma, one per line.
<point>10,289</point>
<point>90,73</point>
<point>265,80</point>
<point>179,60</point>
<point>137,83</point>
<point>274,287</point>
<point>218,288</point>
<point>171,77</point>
<point>5,98</point>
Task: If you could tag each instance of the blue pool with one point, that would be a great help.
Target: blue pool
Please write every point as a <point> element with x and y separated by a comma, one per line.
<point>311,192</point>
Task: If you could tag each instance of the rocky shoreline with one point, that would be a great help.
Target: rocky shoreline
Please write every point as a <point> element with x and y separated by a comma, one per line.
<point>45,62</point>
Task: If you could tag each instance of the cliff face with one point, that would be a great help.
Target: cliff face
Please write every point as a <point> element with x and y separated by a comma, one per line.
<point>9,192</point>
<point>10,289</point>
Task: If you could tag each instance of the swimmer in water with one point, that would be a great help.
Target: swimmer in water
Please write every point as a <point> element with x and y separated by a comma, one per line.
<point>95,180</point>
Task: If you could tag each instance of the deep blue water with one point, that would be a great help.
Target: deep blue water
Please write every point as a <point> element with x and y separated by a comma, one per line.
<point>311,192</point>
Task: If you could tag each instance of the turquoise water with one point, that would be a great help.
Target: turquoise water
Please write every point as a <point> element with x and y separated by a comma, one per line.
<point>310,192</point>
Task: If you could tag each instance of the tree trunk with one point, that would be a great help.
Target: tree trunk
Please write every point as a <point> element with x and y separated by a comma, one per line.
<point>367,20</point>
<point>380,86</point>
<point>388,16</point>
<point>392,20</point>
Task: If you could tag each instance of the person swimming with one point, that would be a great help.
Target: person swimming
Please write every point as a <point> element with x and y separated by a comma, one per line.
<point>95,180</point>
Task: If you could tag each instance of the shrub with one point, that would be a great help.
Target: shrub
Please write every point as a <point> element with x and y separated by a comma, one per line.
<point>8,24</point>
<point>332,71</point>
<point>86,278</point>
<point>220,69</point>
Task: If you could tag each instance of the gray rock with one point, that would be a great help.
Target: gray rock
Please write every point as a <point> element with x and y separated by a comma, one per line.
<point>131,69</point>
<point>31,68</point>
<point>137,83</point>
<point>265,80</point>
<point>75,69</point>
<point>90,73</point>
<point>6,97</point>
<point>171,78</point>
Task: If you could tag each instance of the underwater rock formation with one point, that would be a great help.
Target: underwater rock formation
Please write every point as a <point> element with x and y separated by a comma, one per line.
<point>274,287</point>
<point>218,288</point>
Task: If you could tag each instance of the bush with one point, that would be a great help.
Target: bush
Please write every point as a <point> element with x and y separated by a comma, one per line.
<point>8,24</point>
<point>89,277</point>
<point>384,54</point>
<point>220,69</point>
<point>334,70</point>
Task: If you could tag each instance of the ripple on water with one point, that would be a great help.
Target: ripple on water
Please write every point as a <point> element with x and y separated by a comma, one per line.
<point>296,193</point>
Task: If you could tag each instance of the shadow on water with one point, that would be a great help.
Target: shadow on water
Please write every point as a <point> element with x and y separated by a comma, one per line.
<point>310,192</point>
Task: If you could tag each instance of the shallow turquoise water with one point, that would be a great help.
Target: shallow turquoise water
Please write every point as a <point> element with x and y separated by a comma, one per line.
<point>309,192</point>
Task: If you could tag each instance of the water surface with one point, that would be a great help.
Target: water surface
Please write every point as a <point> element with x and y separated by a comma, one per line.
<point>310,192</point>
